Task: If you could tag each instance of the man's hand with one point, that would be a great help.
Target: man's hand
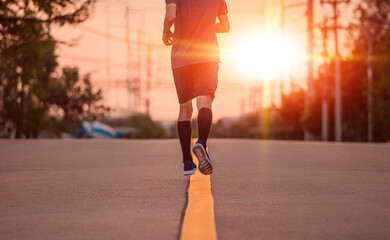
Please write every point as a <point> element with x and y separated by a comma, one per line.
<point>223,26</point>
<point>170,15</point>
<point>167,38</point>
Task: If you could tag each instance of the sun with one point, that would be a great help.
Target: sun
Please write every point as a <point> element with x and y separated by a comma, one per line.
<point>266,57</point>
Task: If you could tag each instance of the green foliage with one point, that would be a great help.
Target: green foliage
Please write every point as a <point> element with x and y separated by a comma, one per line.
<point>290,114</point>
<point>371,16</point>
<point>147,128</point>
<point>30,89</point>
<point>74,99</point>
<point>381,91</point>
<point>60,12</point>
<point>247,126</point>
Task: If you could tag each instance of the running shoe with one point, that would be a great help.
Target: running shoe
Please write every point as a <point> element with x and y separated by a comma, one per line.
<point>205,165</point>
<point>189,168</point>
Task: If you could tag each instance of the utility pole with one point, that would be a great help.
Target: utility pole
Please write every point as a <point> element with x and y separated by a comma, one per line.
<point>254,95</point>
<point>337,75</point>
<point>366,34</point>
<point>368,37</point>
<point>108,46</point>
<point>242,107</point>
<point>272,110</point>
<point>137,82</point>
<point>283,41</point>
<point>148,81</point>
<point>261,98</point>
<point>242,103</point>
<point>117,96</point>
<point>284,8</point>
<point>369,97</point>
<point>310,47</point>
<point>324,102</point>
<point>128,59</point>
<point>337,108</point>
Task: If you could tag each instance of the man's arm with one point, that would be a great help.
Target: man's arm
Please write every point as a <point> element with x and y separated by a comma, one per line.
<point>223,26</point>
<point>169,20</point>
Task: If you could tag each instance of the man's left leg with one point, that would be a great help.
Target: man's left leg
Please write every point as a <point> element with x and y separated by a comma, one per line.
<point>184,131</point>
<point>205,117</point>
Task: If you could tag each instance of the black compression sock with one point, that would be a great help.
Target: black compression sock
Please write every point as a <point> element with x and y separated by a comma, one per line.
<point>184,130</point>
<point>205,118</point>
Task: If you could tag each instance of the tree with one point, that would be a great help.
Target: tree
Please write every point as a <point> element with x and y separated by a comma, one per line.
<point>369,20</point>
<point>372,25</point>
<point>290,114</point>
<point>28,64</point>
<point>73,99</point>
<point>147,128</point>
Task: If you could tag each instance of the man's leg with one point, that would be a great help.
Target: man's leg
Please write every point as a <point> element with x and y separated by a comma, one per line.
<point>205,117</point>
<point>184,130</point>
<point>205,85</point>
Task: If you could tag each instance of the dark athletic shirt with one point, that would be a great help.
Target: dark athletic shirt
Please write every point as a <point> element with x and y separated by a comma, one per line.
<point>194,39</point>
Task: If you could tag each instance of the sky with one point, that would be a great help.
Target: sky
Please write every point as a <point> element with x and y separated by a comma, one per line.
<point>248,70</point>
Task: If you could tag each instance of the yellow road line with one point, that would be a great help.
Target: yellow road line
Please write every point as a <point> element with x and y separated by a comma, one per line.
<point>199,218</point>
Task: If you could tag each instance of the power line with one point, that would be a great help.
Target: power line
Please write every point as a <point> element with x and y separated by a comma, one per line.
<point>91,60</point>
<point>159,9</point>
<point>324,97</point>
<point>107,35</point>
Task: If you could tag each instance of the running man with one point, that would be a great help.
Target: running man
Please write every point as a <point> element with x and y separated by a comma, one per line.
<point>195,64</point>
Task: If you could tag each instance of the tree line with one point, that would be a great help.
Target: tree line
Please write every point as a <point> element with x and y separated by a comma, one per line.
<point>35,93</point>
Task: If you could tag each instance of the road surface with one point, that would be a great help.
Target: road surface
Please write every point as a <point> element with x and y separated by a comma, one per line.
<point>134,189</point>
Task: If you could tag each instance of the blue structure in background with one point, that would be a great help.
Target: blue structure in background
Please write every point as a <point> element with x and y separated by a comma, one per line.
<point>97,130</point>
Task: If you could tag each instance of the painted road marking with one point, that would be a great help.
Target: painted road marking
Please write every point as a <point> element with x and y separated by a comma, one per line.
<point>199,218</point>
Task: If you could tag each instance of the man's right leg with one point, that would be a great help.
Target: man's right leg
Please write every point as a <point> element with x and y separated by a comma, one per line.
<point>206,81</point>
<point>184,131</point>
<point>205,116</point>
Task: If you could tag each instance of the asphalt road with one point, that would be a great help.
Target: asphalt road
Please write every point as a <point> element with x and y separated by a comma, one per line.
<point>134,189</point>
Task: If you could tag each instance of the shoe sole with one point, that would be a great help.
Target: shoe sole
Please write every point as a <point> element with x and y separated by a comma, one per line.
<point>205,165</point>
<point>190,172</point>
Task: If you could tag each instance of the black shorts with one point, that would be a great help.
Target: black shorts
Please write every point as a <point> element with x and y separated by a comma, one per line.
<point>196,80</point>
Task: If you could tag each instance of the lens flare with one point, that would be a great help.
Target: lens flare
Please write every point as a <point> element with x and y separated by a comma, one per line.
<point>266,57</point>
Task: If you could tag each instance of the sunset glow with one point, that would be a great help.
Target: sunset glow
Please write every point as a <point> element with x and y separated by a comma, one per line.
<point>266,56</point>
